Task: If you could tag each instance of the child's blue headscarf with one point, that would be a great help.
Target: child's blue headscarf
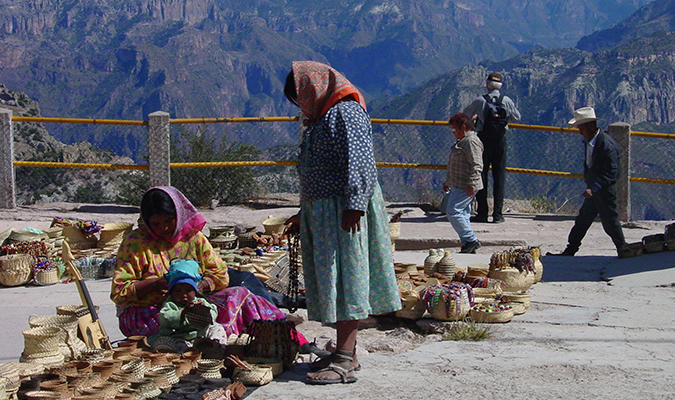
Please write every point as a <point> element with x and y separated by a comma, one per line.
<point>183,271</point>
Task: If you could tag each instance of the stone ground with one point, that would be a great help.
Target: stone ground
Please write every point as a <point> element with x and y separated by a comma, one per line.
<point>598,326</point>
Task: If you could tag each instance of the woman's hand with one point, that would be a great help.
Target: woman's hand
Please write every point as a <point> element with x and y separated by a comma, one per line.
<point>203,287</point>
<point>351,220</point>
<point>151,285</point>
<point>292,225</point>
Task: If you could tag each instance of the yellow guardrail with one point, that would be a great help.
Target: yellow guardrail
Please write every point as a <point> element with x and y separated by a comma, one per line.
<point>287,163</point>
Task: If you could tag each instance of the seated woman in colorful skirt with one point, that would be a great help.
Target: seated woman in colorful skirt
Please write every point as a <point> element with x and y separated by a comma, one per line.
<point>173,229</point>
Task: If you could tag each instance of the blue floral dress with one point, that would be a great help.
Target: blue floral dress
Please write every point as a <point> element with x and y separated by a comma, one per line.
<point>348,276</point>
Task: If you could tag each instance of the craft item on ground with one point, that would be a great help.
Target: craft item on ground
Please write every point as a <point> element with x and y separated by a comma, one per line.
<point>394,233</point>
<point>33,248</point>
<point>245,237</point>
<point>492,313</point>
<point>446,265</point>
<point>412,307</point>
<point>274,225</point>
<point>70,345</point>
<point>514,267</point>
<point>112,234</point>
<point>16,269</point>
<point>42,345</point>
<point>46,272</point>
<point>248,374</point>
<point>273,339</point>
<point>431,260</point>
<point>209,368</point>
<point>448,302</point>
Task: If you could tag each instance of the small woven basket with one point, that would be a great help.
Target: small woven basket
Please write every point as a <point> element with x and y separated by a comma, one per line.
<point>16,269</point>
<point>258,375</point>
<point>492,317</point>
<point>47,277</point>
<point>276,365</point>
<point>113,234</point>
<point>274,225</point>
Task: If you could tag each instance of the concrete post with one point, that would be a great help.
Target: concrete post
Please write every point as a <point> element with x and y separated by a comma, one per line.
<point>159,155</point>
<point>620,132</point>
<point>7,174</point>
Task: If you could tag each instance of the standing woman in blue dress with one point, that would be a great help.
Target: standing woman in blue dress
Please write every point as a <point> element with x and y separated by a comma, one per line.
<point>344,229</point>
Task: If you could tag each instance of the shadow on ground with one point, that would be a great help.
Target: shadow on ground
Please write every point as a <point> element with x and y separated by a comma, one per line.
<point>597,268</point>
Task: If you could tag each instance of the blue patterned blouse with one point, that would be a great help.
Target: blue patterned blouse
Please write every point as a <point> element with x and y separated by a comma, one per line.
<point>336,157</point>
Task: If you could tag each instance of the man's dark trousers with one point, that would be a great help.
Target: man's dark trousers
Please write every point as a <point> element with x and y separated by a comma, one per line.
<point>603,202</point>
<point>494,154</point>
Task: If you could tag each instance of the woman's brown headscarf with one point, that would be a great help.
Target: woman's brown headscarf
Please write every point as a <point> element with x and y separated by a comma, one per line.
<point>319,87</point>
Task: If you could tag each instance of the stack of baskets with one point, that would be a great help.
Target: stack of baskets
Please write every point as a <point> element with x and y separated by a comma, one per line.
<point>223,237</point>
<point>513,267</point>
<point>69,344</point>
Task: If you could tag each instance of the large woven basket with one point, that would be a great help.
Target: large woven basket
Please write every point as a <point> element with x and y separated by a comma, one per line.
<point>514,280</point>
<point>444,308</point>
<point>16,269</point>
<point>113,234</point>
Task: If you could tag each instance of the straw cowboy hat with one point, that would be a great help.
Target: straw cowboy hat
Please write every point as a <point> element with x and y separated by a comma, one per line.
<point>583,115</point>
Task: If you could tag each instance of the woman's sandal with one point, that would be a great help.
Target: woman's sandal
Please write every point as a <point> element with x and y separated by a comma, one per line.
<point>324,362</point>
<point>341,357</point>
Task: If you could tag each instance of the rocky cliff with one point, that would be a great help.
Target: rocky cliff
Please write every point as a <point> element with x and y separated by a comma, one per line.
<point>128,58</point>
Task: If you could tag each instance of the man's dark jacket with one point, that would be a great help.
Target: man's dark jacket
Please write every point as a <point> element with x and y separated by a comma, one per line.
<point>604,172</point>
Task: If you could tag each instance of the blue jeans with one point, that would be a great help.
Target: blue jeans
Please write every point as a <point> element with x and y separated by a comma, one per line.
<point>458,212</point>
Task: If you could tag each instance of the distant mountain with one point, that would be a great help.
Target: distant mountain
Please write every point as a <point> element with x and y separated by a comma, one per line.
<point>655,17</point>
<point>127,58</point>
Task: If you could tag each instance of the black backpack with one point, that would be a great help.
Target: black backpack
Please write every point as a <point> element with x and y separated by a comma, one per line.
<point>496,118</point>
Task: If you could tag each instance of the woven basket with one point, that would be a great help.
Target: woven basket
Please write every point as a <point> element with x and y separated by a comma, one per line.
<point>48,277</point>
<point>83,381</point>
<point>78,240</point>
<point>514,280</point>
<point>45,358</point>
<point>274,225</point>
<point>42,339</point>
<point>45,395</point>
<point>113,234</point>
<point>258,375</point>
<point>168,370</point>
<point>71,346</point>
<point>25,236</point>
<point>518,298</point>
<point>440,312</point>
<point>492,317</point>
<point>276,365</point>
<point>209,368</point>
<point>106,368</point>
<point>245,237</point>
<point>16,269</point>
<point>411,308</point>
<point>137,367</point>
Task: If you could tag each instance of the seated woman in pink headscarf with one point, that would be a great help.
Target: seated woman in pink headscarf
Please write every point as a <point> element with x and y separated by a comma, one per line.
<point>173,229</point>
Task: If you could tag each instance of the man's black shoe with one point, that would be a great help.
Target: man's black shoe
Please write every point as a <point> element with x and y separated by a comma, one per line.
<point>566,253</point>
<point>477,218</point>
<point>470,247</point>
<point>497,220</point>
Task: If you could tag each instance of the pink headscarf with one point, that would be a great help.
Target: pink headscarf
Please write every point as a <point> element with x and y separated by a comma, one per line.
<point>188,218</point>
<point>320,87</point>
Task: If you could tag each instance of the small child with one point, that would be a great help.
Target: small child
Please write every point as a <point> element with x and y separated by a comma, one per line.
<point>185,315</point>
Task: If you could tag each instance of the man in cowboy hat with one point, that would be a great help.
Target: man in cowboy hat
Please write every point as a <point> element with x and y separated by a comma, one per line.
<point>601,171</point>
<point>491,131</point>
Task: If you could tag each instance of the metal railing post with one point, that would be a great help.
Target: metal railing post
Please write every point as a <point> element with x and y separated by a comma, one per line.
<point>620,132</point>
<point>159,154</point>
<point>7,174</point>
